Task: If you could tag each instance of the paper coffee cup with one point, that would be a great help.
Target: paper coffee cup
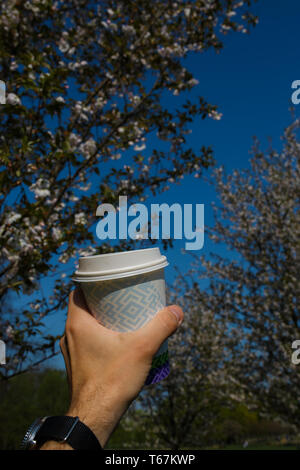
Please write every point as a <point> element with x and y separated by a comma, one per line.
<point>124,291</point>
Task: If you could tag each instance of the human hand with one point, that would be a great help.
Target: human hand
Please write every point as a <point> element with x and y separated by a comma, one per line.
<point>107,369</point>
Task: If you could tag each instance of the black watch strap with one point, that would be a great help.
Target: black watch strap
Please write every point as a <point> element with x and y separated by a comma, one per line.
<point>67,429</point>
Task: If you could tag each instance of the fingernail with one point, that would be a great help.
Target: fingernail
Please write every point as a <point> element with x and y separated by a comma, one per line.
<point>177,312</point>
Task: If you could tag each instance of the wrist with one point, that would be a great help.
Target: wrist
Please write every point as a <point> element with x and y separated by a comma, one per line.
<point>60,433</point>
<point>100,414</point>
<point>54,445</point>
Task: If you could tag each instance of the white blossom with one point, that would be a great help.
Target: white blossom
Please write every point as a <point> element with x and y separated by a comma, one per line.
<point>13,65</point>
<point>215,115</point>
<point>80,219</point>
<point>13,217</point>
<point>74,140</point>
<point>13,99</point>
<point>139,148</point>
<point>63,45</point>
<point>9,331</point>
<point>85,188</point>
<point>40,188</point>
<point>116,156</point>
<point>60,99</point>
<point>64,258</point>
<point>128,29</point>
<point>56,233</point>
<point>88,148</point>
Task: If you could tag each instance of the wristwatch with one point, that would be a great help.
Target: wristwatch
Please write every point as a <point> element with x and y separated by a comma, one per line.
<point>61,429</point>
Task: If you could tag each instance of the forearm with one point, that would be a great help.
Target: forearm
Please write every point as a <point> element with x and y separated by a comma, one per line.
<point>101,422</point>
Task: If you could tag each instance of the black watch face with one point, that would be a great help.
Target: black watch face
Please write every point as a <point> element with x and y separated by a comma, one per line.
<point>29,439</point>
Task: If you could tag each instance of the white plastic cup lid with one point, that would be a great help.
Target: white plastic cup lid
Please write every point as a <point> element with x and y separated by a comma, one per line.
<point>118,265</point>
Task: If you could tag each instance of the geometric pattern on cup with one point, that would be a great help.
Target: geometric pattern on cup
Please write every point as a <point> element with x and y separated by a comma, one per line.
<point>127,304</point>
<point>125,308</point>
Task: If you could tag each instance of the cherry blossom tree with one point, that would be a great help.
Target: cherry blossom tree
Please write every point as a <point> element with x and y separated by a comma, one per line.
<point>84,82</point>
<point>181,411</point>
<point>256,291</point>
<point>241,312</point>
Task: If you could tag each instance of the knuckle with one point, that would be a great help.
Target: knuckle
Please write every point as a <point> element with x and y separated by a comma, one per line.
<point>72,328</point>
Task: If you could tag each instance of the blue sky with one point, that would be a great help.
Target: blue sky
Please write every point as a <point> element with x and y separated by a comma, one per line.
<point>250,82</point>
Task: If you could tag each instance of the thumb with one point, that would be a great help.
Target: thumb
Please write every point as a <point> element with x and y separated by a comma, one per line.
<point>163,325</point>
